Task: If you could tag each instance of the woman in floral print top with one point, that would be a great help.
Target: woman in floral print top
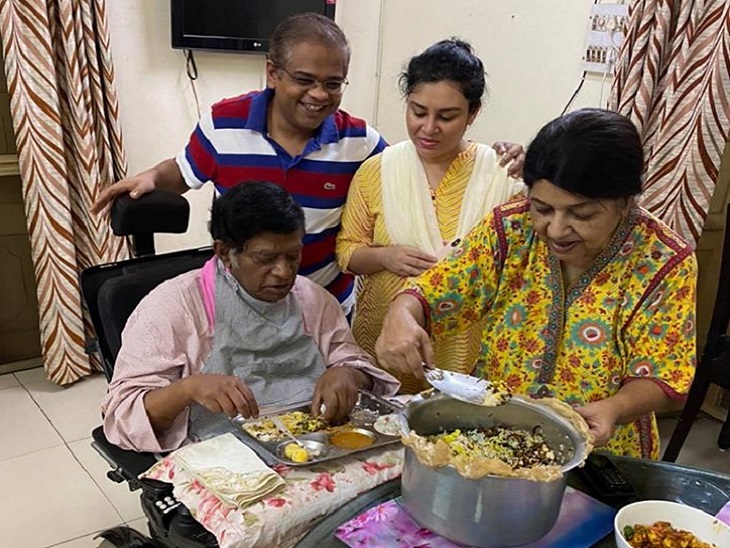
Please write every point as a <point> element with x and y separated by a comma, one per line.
<point>583,295</point>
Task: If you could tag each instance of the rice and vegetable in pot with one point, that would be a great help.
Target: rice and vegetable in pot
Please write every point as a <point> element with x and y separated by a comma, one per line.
<point>501,449</point>
<point>516,447</point>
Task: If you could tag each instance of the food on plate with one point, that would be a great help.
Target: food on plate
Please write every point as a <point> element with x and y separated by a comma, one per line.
<point>350,439</point>
<point>661,535</point>
<point>298,423</point>
<point>363,416</point>
<point>387,424</point>
<point>296,453</point>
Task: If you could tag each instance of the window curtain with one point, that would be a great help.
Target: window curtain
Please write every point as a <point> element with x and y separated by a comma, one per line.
<point>66,118</point>
<point>673,80</point>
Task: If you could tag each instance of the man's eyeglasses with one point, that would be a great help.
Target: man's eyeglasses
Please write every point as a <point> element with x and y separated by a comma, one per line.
<point>333,87</point>
<point>263,258</point>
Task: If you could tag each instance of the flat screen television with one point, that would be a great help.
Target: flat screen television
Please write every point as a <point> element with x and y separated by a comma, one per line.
<point>235,25</point>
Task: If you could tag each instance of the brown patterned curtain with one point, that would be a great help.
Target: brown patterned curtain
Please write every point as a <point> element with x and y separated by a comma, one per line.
<point>65,113</point>
<point>673,80</point>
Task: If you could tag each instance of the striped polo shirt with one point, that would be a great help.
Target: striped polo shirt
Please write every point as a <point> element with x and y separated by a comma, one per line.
<point>230,145</point>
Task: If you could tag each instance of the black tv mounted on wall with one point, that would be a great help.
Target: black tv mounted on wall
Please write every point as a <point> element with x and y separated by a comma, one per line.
<point>235,25</point>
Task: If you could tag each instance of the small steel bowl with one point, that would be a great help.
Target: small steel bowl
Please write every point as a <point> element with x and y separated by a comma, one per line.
<point>362,416</point>
<point>317,450</point>
<point>359,431</point>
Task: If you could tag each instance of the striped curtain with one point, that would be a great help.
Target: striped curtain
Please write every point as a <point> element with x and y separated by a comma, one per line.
<point>673,80</point>
<point>65,114</point>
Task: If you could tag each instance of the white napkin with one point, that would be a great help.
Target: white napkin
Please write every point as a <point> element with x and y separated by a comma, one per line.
<point>229,469</point>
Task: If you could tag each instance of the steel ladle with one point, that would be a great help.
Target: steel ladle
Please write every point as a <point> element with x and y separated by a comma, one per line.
<point>465,387</point>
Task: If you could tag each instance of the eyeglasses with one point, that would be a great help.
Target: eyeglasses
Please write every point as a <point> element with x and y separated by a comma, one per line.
<point>266,259</point>
<point>333,87</point>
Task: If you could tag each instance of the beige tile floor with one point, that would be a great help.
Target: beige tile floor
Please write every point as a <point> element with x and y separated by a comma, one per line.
<point>54,486</point>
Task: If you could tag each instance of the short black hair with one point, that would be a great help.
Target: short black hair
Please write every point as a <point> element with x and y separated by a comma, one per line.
<point>252,208</point>
<point>306,27</point>
<point>450,60</point>
<point>592,152</point>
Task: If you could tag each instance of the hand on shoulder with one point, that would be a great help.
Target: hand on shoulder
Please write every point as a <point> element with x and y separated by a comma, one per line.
<point>512,154</point>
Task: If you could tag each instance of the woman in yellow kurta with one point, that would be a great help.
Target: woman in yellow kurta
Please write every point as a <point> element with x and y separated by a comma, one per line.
<point>407,204</point>
<point>583,295</point>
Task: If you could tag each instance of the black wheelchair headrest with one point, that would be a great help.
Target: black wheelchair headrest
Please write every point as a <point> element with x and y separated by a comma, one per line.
<point>156,212</point>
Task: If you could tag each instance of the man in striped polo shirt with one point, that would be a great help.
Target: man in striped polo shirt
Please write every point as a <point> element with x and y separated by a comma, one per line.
<point>292,133</point>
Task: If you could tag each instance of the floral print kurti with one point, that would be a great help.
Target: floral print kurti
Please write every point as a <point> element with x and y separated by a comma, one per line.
<point>629,316</point>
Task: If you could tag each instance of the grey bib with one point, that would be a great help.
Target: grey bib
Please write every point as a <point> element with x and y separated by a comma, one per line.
<point>263,344</point>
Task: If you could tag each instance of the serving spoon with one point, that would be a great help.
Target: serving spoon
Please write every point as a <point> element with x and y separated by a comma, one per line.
<point>466,388</point>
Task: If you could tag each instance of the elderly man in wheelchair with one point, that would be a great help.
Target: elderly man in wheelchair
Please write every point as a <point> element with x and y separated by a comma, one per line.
<point>240,333</point>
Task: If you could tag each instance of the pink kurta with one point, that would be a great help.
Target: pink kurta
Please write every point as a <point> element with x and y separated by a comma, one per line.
<point>169,336</point>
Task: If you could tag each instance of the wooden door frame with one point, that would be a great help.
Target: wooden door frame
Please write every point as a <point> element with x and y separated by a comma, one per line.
<point>708,257</point>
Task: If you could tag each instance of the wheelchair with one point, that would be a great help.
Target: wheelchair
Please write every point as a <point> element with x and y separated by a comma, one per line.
<point>111,293</point>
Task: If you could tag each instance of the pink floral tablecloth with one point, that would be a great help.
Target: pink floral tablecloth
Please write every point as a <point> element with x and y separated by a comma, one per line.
<point>280,520</point>
<point>582,522</point>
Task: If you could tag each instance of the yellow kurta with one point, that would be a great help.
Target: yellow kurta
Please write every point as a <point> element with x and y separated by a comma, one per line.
<point>363,225</point>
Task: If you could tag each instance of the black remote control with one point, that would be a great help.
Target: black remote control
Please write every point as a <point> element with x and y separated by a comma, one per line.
<point>603,479</point>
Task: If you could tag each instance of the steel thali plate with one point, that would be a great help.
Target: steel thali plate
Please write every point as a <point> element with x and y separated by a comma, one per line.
<point>362,420</point>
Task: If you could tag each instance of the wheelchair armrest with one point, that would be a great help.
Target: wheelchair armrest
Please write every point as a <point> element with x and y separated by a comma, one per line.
<point>126,465</point>
<point>155,212</point>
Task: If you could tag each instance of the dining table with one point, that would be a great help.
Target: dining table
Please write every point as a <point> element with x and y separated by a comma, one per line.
<point>706,490</point>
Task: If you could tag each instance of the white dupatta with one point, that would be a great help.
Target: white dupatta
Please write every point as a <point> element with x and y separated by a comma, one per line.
<point>410,216</point>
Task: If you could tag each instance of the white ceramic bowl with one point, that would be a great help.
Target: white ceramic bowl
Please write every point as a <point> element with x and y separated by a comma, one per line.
<point>705,527</point>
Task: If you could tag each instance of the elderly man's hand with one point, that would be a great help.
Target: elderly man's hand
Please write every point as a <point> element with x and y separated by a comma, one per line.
<point>222,394</point>
<point>337,389</point>
<point>512,154</point>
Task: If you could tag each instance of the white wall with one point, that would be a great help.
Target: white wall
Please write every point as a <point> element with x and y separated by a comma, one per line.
<point>531,51</point>
<point>156,102</point>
